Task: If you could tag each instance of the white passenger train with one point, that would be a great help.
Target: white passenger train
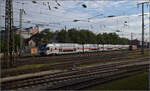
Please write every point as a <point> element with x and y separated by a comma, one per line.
<point>67,48</point>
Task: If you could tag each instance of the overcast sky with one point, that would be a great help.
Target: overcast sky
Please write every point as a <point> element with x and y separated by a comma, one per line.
<point>126,12</point>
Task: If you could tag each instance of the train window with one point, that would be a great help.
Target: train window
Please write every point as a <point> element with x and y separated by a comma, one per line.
<point>47,48</point>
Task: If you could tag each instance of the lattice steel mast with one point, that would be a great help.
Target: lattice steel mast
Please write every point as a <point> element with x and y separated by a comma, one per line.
<point>9,34</point>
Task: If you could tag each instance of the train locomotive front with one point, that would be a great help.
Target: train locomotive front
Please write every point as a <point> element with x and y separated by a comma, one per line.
<point>46,49</point>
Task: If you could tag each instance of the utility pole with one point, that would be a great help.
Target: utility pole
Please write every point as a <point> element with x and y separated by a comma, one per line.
<point>9,34</point>
<point>65,34</point>
<point>20,25</point>
<point>0,27</point>
<point>142,47</point>
<point>65,27</point>
<point>149,42</point>
<point>78,28</point>
<point>149,26</point>
<point>131,37</point>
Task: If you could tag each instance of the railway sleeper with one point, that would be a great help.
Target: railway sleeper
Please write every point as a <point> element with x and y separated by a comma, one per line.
<point>31,82</point>
<point>84,79</point>
<point>78,81</point>
<point>106,76</point>
<point>48,80</point>
<point>102,80</point>
<point>63,81</point>
<point>91,83</point>
<point>72,83</point>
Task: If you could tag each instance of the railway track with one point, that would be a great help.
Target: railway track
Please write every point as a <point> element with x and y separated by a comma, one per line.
<point>95,81</point>
<point>45,59</point>
<point>69,83</point>
<point>66,62</point>
<point>53,79</point>
<point>100,79</point>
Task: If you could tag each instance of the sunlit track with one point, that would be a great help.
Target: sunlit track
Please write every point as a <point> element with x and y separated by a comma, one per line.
<point>54,78</point>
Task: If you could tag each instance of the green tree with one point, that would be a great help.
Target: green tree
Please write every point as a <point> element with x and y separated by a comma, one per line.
<point>63,37</point>
<point>45,36</point>
<point>17,39</point>
<point>85,36</point>
<point>74,35</point>
<point>111,38</point>
<point>2,43</point>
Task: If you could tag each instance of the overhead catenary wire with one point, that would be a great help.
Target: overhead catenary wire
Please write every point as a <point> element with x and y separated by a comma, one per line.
<point>46,15</point>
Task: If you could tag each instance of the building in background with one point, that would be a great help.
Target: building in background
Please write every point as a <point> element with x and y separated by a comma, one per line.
<point>33,30</point>
<point>30,34</point>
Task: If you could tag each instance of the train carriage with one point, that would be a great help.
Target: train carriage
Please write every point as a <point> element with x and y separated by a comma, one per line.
<point>100,47</point>
<point>86,47</point>
<point>106,47</point>
<point>67,48</point>
<point>79,48</point>
<point>109,47</point>
<point>125,46</point>
<point>92,47</point>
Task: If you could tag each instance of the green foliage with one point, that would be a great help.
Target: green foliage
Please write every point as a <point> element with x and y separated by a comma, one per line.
<point>85,36</point>
<point>63,37</point>
<point>45,36</point>
<point>1,43</point>
<point>73,35</point>
<point>111,38</point>
<point>137,82</point>
<point>17,39</point>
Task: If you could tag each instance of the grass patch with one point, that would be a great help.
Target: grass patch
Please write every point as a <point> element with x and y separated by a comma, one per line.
<point>137,82</point>
<point>32,66</point>
<point>24,67</point>
<point>130,55</point>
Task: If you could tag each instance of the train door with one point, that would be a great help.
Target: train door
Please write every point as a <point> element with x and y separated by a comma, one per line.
<point>49,50</point>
